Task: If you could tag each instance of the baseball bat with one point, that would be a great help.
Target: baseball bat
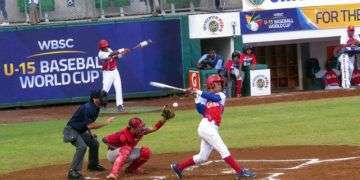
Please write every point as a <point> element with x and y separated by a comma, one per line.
<point>165,86</point>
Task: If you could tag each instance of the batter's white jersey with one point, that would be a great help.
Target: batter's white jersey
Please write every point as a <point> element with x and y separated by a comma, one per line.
<point>111,75</point>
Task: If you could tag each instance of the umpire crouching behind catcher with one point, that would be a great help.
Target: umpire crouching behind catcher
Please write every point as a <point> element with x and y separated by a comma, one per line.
<point>78,133</point>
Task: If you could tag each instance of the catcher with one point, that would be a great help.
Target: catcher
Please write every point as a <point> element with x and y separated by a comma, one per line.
<point>122,144</point>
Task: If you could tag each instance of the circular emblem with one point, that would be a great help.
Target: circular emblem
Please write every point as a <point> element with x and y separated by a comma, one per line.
<point>214,24</point>
<point>261,82</point>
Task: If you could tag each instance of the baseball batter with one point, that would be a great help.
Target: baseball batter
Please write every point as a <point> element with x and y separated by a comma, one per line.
<point>349,43</point>
<point>111,75</point>
<point>211,106</point>
<point>122,145</point>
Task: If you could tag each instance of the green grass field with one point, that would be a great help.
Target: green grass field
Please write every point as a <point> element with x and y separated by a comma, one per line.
<point>318,122</point>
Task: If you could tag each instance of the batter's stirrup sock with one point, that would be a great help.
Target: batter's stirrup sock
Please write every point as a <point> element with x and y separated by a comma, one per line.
<point>238,87</point>
<point>186,163</point>
<point>232,163</point>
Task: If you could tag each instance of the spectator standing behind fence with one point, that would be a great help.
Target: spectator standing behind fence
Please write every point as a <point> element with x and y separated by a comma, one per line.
<point>4,13</point>
<point>232,67</point>
<point>155,6</point>
<point>34,11</point>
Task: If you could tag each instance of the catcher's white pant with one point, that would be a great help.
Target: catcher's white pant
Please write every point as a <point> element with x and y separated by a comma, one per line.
<point>239,74</point>
<point>113,77</point>
<point>347,68</point>
<point>210,139</point>
<point>113,154</point>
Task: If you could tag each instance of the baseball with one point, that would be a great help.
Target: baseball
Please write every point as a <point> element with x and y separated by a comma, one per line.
<point>175,104</point>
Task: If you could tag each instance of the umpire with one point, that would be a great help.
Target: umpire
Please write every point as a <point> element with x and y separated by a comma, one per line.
<point>77,132</point>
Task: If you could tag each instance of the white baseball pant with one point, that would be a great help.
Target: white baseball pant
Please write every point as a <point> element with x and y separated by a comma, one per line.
<point>210,139</point>
<point>113,77</point>
<point>113,154</point>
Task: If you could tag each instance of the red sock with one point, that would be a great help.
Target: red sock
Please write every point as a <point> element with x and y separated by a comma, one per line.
<point>186,163</point>
<point>238,87</point>
<point>231,162</point>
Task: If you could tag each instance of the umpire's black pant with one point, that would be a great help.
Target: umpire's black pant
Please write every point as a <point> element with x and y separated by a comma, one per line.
<point>82,141</point>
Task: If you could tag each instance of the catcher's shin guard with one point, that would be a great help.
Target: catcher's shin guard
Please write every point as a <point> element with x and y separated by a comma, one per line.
<point>238,88</point>
<point>145,153</point>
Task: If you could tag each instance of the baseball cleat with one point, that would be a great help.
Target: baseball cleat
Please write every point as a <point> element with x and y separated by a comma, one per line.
<point>174,167</point>
<point>245,173</point>
<point>97,167</point>
<point>73,174</point>
<point>120,108</point>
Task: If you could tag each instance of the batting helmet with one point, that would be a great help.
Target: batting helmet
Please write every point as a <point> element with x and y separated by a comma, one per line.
<point>136,123</point>
<point>212,79</point>
<point>351,28</point>
<point>103,43</point>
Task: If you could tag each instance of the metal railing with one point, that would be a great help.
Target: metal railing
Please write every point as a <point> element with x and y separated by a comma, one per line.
<point>65,10</point>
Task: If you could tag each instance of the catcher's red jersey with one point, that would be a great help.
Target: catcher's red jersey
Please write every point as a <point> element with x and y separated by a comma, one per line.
<point>123,138</point>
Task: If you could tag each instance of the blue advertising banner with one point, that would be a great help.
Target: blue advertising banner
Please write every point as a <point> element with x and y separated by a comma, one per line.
<point>280,20</point>
<point>57,63</point>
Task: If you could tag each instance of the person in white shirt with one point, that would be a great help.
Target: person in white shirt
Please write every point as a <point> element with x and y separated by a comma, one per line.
<point>349,44</point>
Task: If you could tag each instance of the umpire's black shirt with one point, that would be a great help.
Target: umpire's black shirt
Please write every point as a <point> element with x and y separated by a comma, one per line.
<point>85,115</point>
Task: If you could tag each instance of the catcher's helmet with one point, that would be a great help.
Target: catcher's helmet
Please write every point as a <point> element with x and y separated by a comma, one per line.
<point>136,123</point>
<point>212,79</point>
<point>99,94</point>
<point>103,43</point>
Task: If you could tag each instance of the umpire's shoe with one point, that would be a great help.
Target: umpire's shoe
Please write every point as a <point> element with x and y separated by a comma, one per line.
<point>72,175</point>
<point>245,173</point>
<point>174,167</point>
<point>97,167</point>
<point>120,108</point>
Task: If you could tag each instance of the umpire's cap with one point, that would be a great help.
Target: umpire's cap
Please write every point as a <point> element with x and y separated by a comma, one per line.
<point>99,94</point>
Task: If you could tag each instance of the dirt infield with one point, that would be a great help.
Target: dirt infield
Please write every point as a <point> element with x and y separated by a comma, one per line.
<point>289,162</point>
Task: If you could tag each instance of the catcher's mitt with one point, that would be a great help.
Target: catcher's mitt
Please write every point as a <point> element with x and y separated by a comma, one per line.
<point>168,112</point>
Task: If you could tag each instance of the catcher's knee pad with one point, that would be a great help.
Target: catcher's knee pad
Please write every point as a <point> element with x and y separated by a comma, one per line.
<point>145,153</point>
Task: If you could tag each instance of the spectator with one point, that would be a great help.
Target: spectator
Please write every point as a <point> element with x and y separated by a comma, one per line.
<point>232,67</point>
<point>4,13</point>
<point>210,60</point>
<point>155,6</point>
<point>330,77</point>
<point>34,11</point>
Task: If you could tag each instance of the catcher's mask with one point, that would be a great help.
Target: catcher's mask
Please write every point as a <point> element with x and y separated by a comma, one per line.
<point>138,125</point>
<point>212,79</point>
<point>101,95</point>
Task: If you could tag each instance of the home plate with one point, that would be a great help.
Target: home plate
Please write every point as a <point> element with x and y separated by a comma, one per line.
<point>88,177</point>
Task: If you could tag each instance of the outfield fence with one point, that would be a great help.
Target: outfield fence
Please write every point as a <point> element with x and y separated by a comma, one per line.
<point>64,10</point>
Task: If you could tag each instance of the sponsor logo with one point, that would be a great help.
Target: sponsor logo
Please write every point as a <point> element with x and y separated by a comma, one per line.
<point>261,82</point>
<point>214,24</point>
<point>256,2</point>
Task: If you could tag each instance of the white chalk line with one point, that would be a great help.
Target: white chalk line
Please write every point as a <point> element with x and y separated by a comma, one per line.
<point>274,175</point>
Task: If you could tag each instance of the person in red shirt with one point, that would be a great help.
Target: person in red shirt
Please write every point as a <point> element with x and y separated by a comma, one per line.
<point>330,77</point>
<point>232,67</point>
<point>122,146</point>
<point>355,80</point>
<point>248,58</point>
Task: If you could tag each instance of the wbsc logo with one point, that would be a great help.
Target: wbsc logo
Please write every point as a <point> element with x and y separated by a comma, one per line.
<point>256,2</point>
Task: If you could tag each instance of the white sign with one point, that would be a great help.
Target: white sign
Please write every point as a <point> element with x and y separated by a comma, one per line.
<point>260,82</point>
<point>214,25</point>
<point>251,5</point>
